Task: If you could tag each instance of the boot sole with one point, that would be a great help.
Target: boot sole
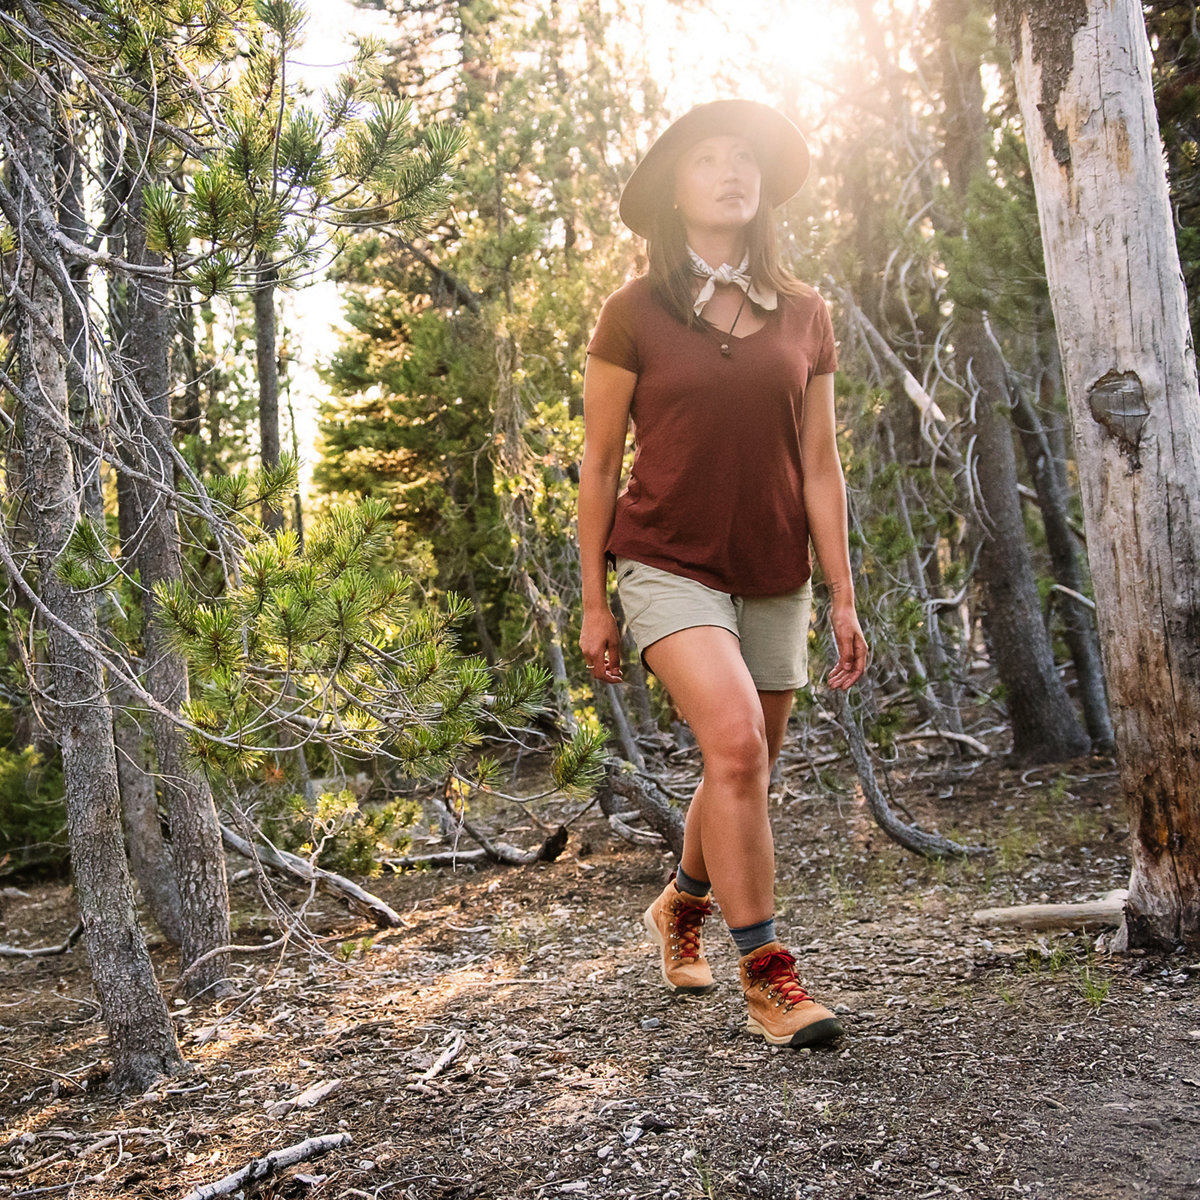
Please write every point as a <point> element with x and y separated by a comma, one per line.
<point>816,1034</point>
<point>656,938</point>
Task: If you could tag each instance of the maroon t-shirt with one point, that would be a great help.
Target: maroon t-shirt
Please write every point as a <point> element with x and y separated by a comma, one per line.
<point>716,490</point>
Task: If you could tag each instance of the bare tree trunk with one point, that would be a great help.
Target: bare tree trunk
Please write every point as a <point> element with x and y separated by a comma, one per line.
<point>636,685</point>
<point>149,855</point>
<point>1045,725</point>
<point>509,440</point>
<point>141,1037</point>
<point>1079,628</point>
<point>190,415</point>
<point>195,830</point>
<point>266,357</point>
<point>1084,84</point>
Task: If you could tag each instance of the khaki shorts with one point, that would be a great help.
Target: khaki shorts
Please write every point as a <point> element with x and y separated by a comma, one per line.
<point>772,630</point>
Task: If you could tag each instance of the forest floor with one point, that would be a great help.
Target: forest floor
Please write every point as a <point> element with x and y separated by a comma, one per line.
<point>514,1039</point>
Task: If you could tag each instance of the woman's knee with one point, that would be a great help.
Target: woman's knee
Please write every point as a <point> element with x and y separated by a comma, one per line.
<point>738,753</point>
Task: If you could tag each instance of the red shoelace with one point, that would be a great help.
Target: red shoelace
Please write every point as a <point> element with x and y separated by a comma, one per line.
<point>686,920</point>
<point>776,970</point>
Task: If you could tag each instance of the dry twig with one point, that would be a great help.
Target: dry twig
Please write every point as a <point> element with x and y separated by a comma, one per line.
<point>262,1168</point>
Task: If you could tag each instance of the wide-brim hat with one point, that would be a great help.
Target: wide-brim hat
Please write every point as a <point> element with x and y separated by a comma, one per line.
<point>779,146</point>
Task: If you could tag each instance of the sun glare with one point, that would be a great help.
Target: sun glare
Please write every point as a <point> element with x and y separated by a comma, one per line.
<point>774,50</point>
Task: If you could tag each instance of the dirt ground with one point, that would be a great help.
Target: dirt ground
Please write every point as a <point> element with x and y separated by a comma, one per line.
<point>513,1039</point>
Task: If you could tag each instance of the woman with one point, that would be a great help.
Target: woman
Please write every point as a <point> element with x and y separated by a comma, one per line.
<point>725,363</point>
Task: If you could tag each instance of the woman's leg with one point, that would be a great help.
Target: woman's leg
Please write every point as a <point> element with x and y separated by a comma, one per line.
<point>728,834</point>
<point>776,709</point>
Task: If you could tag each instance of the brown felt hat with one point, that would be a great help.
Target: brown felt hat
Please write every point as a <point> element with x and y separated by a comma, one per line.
<point>781,149</point>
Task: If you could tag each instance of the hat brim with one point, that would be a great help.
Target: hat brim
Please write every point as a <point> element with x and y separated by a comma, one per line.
<point>780,147</point>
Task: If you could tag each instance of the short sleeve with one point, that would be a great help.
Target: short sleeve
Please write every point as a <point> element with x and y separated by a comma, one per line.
<point>825,358</point>
<point>613,338</point>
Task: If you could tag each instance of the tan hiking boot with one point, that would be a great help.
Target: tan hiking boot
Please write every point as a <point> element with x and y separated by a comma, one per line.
<point>780,1009</point>
<point>673,922</point>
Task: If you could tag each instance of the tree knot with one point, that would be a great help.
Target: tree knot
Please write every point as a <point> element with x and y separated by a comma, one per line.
<point>1118,401</point>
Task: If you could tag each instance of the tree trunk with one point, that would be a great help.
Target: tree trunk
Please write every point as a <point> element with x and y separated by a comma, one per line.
<point>1044,723</point>
<point>195,830</point>
<point>512,466</point>
<point>149,855</point>
<point>1083,80</point>
<point>141,1037</point>
<point>267,361</point>
<point>1079,627</point>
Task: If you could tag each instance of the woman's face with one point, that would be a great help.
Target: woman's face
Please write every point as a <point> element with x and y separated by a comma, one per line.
<point>718,184</point>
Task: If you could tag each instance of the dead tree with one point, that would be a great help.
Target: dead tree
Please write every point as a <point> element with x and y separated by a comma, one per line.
<point>1083,79</point>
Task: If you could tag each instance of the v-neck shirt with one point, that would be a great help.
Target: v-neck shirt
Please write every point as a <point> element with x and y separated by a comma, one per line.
<point>716,491</point>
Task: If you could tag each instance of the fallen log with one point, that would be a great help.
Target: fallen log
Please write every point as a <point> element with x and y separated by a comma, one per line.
<point>328,881</point>
<point>911,837</point>
<point>270,1164</point>
<point>1094,914</point>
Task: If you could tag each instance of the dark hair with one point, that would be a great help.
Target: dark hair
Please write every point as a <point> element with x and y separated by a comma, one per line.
<point>671,278</point>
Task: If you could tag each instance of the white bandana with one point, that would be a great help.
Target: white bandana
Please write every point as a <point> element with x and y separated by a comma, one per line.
<point>739,276</point>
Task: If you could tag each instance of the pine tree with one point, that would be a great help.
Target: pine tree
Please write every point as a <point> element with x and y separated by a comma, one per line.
<point>217,184</point>
<point>483,371</point>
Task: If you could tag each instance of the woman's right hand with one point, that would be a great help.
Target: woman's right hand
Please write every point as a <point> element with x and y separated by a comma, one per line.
<point>600,641</point>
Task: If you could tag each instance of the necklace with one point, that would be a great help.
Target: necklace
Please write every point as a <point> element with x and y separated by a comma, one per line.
<point>726,338</point>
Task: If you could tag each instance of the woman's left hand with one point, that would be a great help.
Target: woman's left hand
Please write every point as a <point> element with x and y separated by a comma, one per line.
<point>852,648</point>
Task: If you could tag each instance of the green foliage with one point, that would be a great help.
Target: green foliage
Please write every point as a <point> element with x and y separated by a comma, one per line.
<point>86,561</point>
<point>458,395</point>
<point>33,817</point>
<point>347,836</point>
<point>321,643</point>
<point>579,767</point>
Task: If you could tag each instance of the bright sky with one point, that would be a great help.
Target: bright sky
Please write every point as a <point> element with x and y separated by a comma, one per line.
<point>314,313</point>
<point>730,48</point>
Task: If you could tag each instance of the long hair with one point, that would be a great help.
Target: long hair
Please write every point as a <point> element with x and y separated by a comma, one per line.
<point>670,273</point>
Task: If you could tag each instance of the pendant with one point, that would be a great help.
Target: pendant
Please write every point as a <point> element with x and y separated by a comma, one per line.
<point>725,350</point>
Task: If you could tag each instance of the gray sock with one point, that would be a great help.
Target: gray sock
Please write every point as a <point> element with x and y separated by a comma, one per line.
<point>689,886</point>
<point>750,937</point>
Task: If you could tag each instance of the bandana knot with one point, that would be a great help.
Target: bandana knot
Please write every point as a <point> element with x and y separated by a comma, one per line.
<point>739,276</point>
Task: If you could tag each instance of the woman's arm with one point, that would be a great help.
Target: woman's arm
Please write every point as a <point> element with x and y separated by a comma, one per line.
<point>607,394</point>
<point>825,507</point>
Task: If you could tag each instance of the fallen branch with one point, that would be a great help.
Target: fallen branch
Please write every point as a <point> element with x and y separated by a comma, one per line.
<point>437,858</point>
<point>502,852</point>
<point>309,1098</point>
<point>328,881</point>
<point>270,1164</point>
<point>948,735</point>
<point>651,802</point>
<point>635,837</point>
<point>446,1057</point>
<point>1095,914</point>
<point>43,951</point>
<point>911,837</point>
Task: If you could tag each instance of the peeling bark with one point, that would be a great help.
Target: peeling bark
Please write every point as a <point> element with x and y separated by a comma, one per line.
<point>1121,311</point>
